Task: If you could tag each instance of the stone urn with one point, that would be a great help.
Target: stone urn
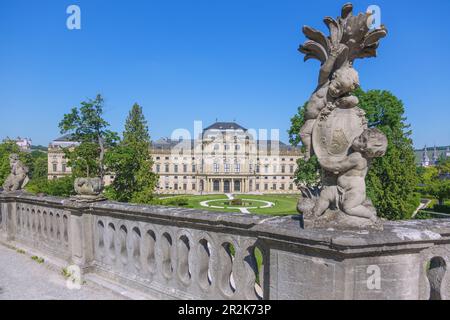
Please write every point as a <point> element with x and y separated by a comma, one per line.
<point>89,189</point>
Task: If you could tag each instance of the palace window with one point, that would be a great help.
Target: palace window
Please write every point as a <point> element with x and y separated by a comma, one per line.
<point>227,167</point>
<point>216,147</point>
<point>63,167</point>
<point>283,169</point>
<point>258,168</point>
<point>237,167</point>
<point>193,186</point>
<point>216,167</point>
<point>176,186</point>
<point>274,186</point>
<point>167,168</point>
<point>266,186</point>
<point>185,168</point>
<point>158,168</point>
<point>291,186</point>
<point>291,169</point>
<point>266,168</point>
<point>55,167</point>
<point>175,168</point>
<point>193,168</point>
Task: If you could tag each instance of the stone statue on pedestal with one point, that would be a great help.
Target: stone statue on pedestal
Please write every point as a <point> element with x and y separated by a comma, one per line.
<point>18,178</point>
<point>336,130</point>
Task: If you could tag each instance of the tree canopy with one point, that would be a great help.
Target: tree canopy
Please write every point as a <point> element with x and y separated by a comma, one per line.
<point>87,126</point>
<point>132,162</point>
<point>435,182</point>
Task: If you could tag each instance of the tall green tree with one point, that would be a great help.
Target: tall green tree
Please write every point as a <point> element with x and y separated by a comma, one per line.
<point>392,180</point>
<point>132,162</point>
<point>87,126</point>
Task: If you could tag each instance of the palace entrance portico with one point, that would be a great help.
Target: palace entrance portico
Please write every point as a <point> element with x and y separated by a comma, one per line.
<point>226,184</point>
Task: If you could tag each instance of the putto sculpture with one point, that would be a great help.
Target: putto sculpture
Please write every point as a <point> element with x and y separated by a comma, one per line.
<point>335,129</point>
<point>18,178</point>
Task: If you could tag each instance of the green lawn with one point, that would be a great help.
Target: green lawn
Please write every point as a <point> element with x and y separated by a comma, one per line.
<point>284,204</point>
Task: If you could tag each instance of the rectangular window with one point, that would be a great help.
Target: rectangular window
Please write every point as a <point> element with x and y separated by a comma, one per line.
<point>185,168</point>
<point>274,187</point>
<point>175,168</point>
<point>167,168</point>
<point>184,186</point>
<point>266,186</point>
<point>63,167</point>
<point>55,167</point>
<point>216,167</point>
<point>227,167</point>
<point>266,168</point>
<point>237,167</point>
<point>193,168</point>
<point>176,186</point>
<point>158,168</point>
<point>257,187</point>
<point>193,186</point>
<point>283,169</point>
<point>291,169</point>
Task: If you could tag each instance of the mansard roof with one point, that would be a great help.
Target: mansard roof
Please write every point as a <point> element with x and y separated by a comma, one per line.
<point>225,126</point>
<point>168,144</point>
<point>65,138</point>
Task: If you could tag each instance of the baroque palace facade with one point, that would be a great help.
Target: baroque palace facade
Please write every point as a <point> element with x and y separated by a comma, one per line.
<point>225,158</point>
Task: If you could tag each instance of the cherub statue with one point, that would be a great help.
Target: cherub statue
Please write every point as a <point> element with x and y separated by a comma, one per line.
<point>350,38</point>
<point>18,178</point>
<point>349,194</point>
<point>332,91</point>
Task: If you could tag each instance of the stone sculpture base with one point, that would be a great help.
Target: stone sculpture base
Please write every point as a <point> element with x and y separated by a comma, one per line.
<point>337,220</point>
<point>88,199</point>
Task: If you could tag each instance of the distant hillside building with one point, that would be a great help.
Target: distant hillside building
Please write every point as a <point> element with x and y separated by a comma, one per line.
<point>429,158</point>
<point>23,143</point>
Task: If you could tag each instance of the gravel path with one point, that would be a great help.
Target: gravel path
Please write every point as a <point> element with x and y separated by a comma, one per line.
<point>21,278</point>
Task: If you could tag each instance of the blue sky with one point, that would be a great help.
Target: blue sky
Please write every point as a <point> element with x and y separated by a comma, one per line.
<point>206,59</point>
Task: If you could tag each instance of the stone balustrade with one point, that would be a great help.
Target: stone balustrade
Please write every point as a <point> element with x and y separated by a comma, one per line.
<point>172,253</point>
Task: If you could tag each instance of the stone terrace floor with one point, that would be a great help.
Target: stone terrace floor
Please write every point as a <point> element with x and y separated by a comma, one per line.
<point>21,278</point>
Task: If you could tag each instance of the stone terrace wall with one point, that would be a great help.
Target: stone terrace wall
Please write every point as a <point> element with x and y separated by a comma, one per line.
<point>173,253</point>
